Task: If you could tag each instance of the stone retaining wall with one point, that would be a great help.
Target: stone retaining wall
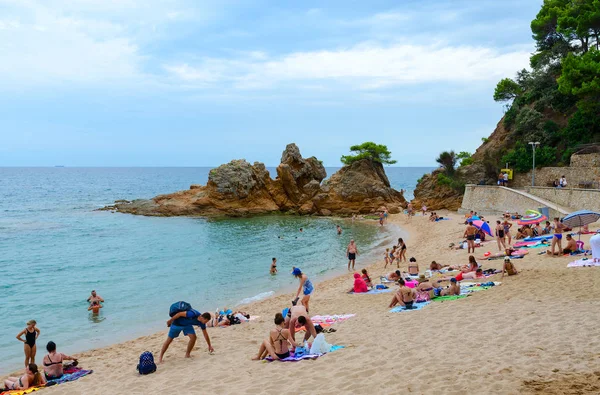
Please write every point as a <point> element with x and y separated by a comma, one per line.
<point>545,176</point>
<point>577,199</point>
<point>493,200</point>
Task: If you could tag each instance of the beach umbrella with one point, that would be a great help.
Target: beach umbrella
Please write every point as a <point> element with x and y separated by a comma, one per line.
<point>581,218</point>
<point>484,226</point>
<point>475,218</point>
<point>532,217</point>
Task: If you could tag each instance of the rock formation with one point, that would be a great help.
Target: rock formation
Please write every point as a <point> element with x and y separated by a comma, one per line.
<point>436,197</point>
<point>240,189</point>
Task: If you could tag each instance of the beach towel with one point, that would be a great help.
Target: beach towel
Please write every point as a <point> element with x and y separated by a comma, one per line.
<point>293,358</point>
<point>21,392</point>
<point>416,306</point>
<point>373,292</point>
<point>70,374</point>
<point>448,297</point>
<point>584,263</point>
<point>328,320</point>
<point>442,219</point>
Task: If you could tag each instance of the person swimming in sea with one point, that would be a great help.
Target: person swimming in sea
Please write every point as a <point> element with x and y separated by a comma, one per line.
<point>95,307</point>
<point>273,270</point>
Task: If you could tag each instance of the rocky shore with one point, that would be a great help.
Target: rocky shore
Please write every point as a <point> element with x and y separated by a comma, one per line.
<point>240,189</point>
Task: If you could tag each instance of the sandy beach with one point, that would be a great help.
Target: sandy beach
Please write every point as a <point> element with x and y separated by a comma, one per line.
<point>535,333</point>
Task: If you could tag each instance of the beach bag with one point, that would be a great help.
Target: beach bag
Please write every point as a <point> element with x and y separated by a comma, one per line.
<point>178,307</point>
<point>233,320</point>
<point>146,365</point>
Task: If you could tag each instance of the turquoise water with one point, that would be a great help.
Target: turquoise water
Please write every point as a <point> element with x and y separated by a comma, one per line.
<point>54,249</point>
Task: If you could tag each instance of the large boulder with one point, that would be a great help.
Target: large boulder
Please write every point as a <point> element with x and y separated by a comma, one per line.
<point>299,176</point>
<point>435,196</point>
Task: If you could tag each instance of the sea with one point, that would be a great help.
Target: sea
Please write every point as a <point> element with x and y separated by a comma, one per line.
<point>55,248</point>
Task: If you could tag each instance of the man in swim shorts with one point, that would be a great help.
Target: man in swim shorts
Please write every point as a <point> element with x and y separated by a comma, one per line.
<point>351,253</point>
<point>557,238</point>
<point>470,232</point>
<point>297,317</point>
<point>184,322</point>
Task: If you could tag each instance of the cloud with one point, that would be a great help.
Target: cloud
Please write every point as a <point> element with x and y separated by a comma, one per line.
<point>367,66</point>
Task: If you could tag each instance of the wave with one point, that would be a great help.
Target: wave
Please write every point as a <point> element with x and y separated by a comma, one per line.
<point>260,296</point>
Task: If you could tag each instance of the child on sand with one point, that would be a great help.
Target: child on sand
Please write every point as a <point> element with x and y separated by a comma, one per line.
<point>509,268</point>
<point>387,257</point>
<point>31,333</point>
<point>366,278</point>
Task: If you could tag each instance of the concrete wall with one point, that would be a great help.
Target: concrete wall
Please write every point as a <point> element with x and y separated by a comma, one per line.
<point>495,200</point>
<point>577,199</point>
<point>545,176</point>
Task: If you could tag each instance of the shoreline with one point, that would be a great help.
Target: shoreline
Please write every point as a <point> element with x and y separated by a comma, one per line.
<point>235,303</point>
<point>495,339</point>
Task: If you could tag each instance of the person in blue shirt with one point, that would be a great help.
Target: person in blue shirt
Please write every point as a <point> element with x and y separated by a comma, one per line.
<point>184,322</point>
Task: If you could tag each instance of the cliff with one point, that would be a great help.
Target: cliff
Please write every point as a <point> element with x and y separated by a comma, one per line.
<point>241,189</point>
<point>435,196</point>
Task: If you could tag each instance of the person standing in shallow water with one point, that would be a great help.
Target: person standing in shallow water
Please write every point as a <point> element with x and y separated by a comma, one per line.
<point>351,253</point>
<point>339,229</point>
<point>274,267</point>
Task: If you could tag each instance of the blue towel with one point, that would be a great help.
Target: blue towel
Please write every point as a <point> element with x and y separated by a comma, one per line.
<point>416,306</point>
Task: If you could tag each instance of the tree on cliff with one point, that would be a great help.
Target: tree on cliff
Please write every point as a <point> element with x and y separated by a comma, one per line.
<point>448,161</point>
<point>376,152</point>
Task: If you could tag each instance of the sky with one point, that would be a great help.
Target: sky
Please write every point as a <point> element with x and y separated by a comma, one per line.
<point>199,83</point>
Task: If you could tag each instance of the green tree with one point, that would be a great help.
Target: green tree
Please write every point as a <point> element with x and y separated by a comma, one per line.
<point>369,150</point>
<point>465,158</point>
<point>448,161</point>
<point>507,90</point>
<point>581,75</point>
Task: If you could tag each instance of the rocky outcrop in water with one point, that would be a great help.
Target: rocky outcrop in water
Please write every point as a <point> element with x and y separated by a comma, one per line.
<point>240,189</point>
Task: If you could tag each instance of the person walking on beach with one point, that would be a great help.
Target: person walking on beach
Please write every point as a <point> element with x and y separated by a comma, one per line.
<point>31,333</point>
<point>500,236</point>
<point>351,253</point>
<point>305,287</point>
<point>273,267</point>
<point>381,218</point>
<point>402,249</point>
<point>184,321</point>
<point>385,213</point>
<point>470,232</point>
<point>557,238</point>
<point>409,210</point>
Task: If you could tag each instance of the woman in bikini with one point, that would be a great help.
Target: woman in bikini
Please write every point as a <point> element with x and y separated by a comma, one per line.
<point>413,267</point>
<point>404,297</point>
<point>424,289</point>
<point>53,367</point>
<point>31,334</point>
<point>277,345</point>
<point>402,247</point>
<point>31,378</point>
<point>507,225</point>
<point>305,287</point>
<point>500,236</point>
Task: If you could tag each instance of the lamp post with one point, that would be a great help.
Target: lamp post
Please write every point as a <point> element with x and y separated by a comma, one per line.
<point>534,145</point>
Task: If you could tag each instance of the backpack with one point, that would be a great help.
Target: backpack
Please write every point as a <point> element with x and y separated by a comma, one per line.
<point>233,320</point>
<point>146,365</point>
<point>178,307</point>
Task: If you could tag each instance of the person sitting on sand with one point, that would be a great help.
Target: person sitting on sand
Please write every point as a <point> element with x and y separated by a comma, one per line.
<point>365,276</point>
<point>359,285</point>
<point>537,230</point>
<point>95,307</point>
<point>571,246</point>
<point>95,297</point>
<point>298,317</point>
<point>453,289</point>
<point>404,296</point>
<point>547,229</point>
<point>413,267</point>
<point>31,378</point>
<point>528,231</point>
<point>305,287</point>
<point>480,235</point>
<point>424,289</point>
<point>278,342</point>
<point>184,322</point>
<point>273,266</point>
<point>509,268</point>
<point>520,234</point>
<point>53,362</point>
